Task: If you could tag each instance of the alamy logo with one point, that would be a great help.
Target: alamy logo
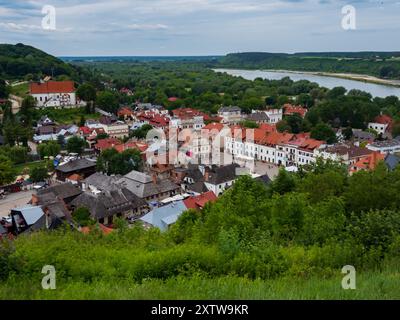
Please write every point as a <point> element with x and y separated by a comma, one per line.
<point>49,20</point>
<point>349,280</point>
<point>349,19</point>
<point>49,280</point>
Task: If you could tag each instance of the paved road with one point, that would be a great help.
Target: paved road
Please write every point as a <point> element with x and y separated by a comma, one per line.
<point>14,200</point>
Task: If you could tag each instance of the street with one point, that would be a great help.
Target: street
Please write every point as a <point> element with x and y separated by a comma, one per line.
<point>14,200</point>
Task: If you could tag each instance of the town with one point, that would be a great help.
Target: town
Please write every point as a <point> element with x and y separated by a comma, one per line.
<point>147,164</point>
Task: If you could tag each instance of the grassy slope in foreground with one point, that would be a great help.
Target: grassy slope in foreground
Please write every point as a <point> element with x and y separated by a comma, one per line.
<point>370,285</point>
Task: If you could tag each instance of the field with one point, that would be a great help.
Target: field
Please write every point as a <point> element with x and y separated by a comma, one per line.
<point>20,90</point>
<point>371,285</point>
<point>26,167</point>
<point>65,116</point>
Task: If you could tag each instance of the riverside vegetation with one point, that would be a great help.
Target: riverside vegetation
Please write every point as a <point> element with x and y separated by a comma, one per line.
<point>287,240</point>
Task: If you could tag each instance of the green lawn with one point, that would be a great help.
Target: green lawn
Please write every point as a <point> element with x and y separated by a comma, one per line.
<point>377,286</point>
<point>65,116</point>
<point>20,168</point>
<point>21,90</point>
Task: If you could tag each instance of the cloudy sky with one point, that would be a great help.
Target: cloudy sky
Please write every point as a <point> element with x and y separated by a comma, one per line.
<point>199,27</point>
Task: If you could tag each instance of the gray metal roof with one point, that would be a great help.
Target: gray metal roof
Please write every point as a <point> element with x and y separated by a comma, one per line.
<point>230,109</point>
<point>62,191</point>
<point>108,203</point>
<point>165,216</point>
<point>148,189</point>
<point>102,181</point>
<point>392,161</point>
<point>218,175</point>
<point>258,116</point>
<point>75,165</point>
<point>30,213</point>
<point>138,176</point>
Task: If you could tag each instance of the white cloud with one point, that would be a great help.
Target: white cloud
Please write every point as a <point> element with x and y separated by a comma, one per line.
<point>144,27</point>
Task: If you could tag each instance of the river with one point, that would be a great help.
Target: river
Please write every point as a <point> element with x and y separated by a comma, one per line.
<point>376,90</point>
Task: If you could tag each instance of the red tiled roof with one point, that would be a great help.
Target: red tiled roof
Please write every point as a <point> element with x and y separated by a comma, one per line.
<point>52,87</point>
<point>85,130</point>
<point>198,202</point>
<point>172,99</point>
<point>214,126</point>
<point>275,138</point>
<point>125,111</point>
<point>368,162</point>
<point>108,143</point>
<point>74,177</point>
<point>142,147</point>
<point>290,109</point>
<point>383,119</point>
<point>268,127</point>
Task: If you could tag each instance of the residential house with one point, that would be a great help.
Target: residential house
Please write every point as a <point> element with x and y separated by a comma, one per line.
<point>381,124</point>
<point>230,115</point>
<point>360,136</point>
<point>274,115</point>
<point>291,109</point>
<point>392,161</point>
<point>45,121</point>
<point>83,167</point>
<point>93,124</point>
<point>98,182</point>
<point>118,129</point>
<point>386,146</point>
<point>164,217</point>
<point>188,118</point>
<point>202,178</point>
<point>258,117</point>
<point>149,188</point>
<point>66,192</point>
<point>367,163</point>
<point>198,202</point>
<point>108,143</point>
<point>219,179</point>
<point>115,202</point>
<point>26,218</point>
<point>126,113</point>
<point>347,154</point>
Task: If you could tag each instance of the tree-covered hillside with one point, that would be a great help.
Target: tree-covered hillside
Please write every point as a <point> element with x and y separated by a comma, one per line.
<point>21,61</point>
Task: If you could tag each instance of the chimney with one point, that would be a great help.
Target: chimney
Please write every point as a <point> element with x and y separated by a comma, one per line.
<point>206,175</point>
<point>154,178</point>
<point>35,199</point>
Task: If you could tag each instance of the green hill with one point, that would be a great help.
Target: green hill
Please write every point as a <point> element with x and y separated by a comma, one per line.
<point>19,61</point>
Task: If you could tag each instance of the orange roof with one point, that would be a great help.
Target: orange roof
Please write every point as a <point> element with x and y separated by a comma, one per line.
<point>131,145</point>
<point>125,111</point>
<point>268,127</point>
<point>198,202</point>
<point>275,138</point>
<point>290,109</point>
<point>108,143</point>
<point>368,162</point>
<point>105,230</point>
<point>383,119</point>
<point>74,177</point>
<point>52,87</point>
<point>214,126</point>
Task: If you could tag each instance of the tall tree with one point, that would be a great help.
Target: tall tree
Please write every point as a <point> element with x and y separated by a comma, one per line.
<point>7,171</point>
